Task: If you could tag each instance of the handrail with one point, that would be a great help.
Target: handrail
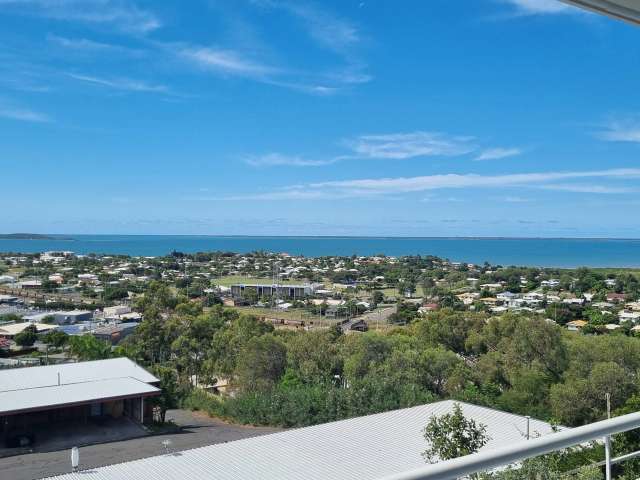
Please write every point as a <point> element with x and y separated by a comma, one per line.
<point>489,459</point>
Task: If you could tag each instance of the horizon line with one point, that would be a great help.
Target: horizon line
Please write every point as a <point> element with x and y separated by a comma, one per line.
<point>398,237</point>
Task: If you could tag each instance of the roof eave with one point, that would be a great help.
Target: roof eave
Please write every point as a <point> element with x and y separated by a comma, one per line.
<point>610,8</point>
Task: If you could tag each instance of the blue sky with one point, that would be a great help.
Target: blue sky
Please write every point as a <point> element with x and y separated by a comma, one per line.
<point>344,117</point>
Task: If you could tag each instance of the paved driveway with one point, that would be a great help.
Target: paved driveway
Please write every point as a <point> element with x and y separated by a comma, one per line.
<point>197,430</point>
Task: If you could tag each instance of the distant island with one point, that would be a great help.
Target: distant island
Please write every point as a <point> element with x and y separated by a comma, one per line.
<point>30,236</point>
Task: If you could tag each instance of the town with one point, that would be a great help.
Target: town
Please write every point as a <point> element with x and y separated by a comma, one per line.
<point>284,341</point>
<point>97,294</point>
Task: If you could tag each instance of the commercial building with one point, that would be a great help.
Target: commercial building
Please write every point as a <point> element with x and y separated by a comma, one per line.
<point>72,316</point>
<point>10,330</point>
<point>114,333</point>
<point>262,290</point>
<point>35,399</point>
<point>363,448</point>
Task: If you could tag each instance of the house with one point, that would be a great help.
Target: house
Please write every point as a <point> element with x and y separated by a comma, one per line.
<point>573,301</point>
<point>616,297</point>
<point>626,316</point>
<point>468,298</point>
<point>371,447</point>
<point>9,300</point>
<point>33,399</point>
<point>492,287</point>
<point>30,284</point>
<point>576,325</point>
<point>116,311</point>
<point>10,330</point>
<point>114,333</point>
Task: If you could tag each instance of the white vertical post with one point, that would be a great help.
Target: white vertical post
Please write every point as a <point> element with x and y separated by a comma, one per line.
<point>607,457</point>
<point>141,409</point>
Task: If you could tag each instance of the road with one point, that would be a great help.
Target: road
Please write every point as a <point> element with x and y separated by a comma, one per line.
<point>197,430</point>
<point>380,316</point>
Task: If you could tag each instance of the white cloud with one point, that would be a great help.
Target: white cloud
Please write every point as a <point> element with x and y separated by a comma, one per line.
<point>539,7</point>
<point>388,186</point>
<point>122,14</point>
<point>621,131</point>
<point>327,29</point>
<point>225,61</point>
<point>121,84</point>
<point>90,46</point>
<point>433,182</point>
<point>396,146</point>
<point>277,159</point>
<point>23,115</point>
<point>580,188</point>
<point>512,199</point>
<point>410,145</point>
<point>498,153</point>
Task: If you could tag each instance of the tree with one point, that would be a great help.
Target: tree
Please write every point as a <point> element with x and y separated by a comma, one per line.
<point>171,390</point>
<point>261,363</point>
<point>27,337</point>
<point>377,298</point>
<point>88,347</point>
<point>56,338</point>
<point>452,435</point>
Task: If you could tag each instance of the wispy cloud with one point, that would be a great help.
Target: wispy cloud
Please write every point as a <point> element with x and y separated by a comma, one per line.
<point>126,84</point>
<point>539,7</point>
<point>498,153</point>
<point>621,130</point>
<point>225,61</point>
<point>89,46</point>
<point>580,188</point>
<point>122,14</point>
<point>410,145</point>
<point>387,186</point>
<point>327,29</point>
<point>277,159</point>
<point>394,146</point>
<point>512,199</point>
<point>23,115</point>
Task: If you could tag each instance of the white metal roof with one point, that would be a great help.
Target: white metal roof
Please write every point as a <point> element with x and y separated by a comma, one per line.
<point>37,377</point>
<point>363,448</point>
<point>12,329</point>
<point>15,401</point>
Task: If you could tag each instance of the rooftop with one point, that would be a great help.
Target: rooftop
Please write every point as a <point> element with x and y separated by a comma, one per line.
<point>362,448</point>
<point>54,386</point>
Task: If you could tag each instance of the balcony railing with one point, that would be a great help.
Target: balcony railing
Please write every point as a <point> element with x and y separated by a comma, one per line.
<point>501,457</point>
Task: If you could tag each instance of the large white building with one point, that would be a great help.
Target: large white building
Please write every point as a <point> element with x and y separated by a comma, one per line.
<point>36,398</point>
<point>362,448</point>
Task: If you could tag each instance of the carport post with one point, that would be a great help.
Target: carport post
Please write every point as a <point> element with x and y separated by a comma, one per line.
<point>141,409</point>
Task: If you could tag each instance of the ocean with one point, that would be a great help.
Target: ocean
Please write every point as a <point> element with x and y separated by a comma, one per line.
<point>555,252</point>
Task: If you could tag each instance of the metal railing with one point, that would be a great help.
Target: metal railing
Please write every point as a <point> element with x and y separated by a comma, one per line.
<point>500,457</point>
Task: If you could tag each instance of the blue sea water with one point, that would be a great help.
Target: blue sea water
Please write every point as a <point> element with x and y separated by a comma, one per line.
<point>557,252</point>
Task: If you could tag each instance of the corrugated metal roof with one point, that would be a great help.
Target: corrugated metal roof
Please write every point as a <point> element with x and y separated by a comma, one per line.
<point>15,401</point>
<point>363,448</point>
<point>38,377</point>
<point>628,10</point>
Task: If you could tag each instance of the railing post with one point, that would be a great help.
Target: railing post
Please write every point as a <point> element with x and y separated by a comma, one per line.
<point>607,457</point>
